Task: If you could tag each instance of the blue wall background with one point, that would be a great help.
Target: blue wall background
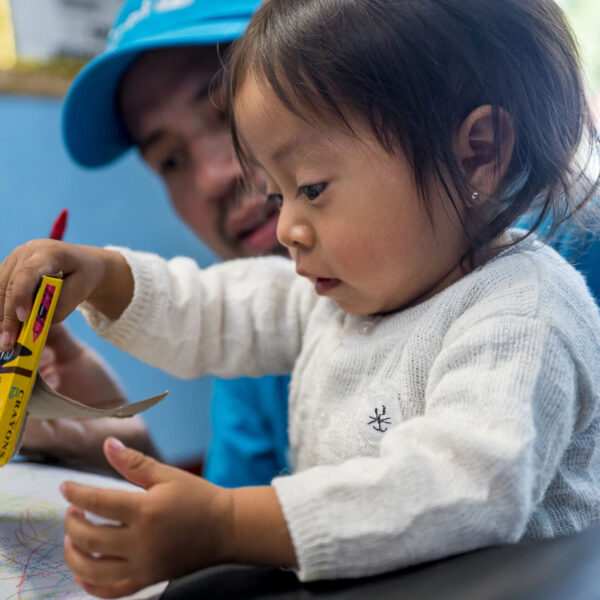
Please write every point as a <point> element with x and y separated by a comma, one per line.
<point>123,204</point>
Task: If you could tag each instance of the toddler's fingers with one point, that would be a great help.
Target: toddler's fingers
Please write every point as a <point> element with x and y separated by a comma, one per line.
<point>107,540</point>
<point>111,504</point>
<point>115,590</point>
<point>19,292</point>
<point>95,570</point>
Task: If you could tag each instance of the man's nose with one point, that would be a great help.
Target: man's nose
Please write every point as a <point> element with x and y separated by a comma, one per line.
<point>293,228</point>
<point>216,168</point>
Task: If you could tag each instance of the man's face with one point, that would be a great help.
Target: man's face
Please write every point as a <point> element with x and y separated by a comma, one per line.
<point>172,114</point>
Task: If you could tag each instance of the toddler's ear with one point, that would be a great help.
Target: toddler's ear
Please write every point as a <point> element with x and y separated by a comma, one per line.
<point>483,159</point>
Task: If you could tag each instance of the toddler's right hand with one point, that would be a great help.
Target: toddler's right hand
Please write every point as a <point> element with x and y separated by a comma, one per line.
<point>88,274</point>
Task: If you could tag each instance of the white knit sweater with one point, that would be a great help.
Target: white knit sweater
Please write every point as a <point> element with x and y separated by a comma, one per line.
<point>468,420</point>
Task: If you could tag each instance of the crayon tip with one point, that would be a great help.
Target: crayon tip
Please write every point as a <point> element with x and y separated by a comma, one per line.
<point>59,226</point>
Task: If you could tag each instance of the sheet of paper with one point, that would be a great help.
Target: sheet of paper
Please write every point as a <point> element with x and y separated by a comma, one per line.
<point>47,403</point>
<point>32,511</point>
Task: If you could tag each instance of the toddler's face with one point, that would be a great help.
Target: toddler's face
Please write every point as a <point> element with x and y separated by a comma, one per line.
<point>350,213</point>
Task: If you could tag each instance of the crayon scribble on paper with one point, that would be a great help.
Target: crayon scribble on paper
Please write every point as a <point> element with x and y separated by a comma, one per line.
<point>32,512</point>
<point>31,550</point>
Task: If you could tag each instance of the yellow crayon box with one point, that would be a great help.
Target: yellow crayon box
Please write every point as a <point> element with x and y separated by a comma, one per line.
<point>18,367</point>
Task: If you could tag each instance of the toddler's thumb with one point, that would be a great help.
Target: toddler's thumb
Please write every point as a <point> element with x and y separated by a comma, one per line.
<point>136,467</point>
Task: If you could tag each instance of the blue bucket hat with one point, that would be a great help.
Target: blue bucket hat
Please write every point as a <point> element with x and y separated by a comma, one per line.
<point>93,131</point>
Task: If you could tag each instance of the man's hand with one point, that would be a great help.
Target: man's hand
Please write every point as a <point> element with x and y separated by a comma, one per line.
<point>76,371</point>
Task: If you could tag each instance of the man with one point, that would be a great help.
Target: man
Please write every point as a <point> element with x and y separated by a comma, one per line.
<point>151,88</point>
<point>155,87</point>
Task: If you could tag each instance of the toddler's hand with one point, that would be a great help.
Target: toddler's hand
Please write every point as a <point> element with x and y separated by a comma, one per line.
<point>84,270</point>
<point>181,523</point>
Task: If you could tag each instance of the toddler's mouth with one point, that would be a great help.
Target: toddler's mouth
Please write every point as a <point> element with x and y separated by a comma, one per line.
<point>324,284</point>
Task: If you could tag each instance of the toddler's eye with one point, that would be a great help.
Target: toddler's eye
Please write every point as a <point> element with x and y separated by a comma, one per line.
<point>312,191</point>
<point>275,200</point>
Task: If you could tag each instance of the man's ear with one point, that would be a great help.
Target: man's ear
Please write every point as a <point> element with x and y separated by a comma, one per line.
<point>483,161</point>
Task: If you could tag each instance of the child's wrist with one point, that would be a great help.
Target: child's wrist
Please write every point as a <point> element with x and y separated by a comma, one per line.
<point>222,509</point>
<point>259,533</point>
<point>114,289</point>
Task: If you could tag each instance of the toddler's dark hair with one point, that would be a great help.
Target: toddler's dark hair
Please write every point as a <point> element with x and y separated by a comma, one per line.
<point>413,70</point>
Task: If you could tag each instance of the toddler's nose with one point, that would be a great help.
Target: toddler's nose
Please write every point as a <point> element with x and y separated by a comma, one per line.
<point>293,229</point>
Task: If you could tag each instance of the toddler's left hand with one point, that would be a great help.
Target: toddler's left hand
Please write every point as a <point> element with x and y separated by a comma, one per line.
<point>180,524</point>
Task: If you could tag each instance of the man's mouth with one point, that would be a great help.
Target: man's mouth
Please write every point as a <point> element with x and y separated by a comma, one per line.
<point>259,234</point>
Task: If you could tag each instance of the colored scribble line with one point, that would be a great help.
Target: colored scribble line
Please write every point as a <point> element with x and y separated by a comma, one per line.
<point>36,560</point>
<point>32,510</point>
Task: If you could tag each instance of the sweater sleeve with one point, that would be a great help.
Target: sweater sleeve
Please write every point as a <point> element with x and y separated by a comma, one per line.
<point>499,413</point>
<point>242,317</point>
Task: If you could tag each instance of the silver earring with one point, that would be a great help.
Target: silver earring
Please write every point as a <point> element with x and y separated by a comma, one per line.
<point>475,196</point>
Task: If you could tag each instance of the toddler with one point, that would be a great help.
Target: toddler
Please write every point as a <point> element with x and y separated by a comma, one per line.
<point>445,389</point>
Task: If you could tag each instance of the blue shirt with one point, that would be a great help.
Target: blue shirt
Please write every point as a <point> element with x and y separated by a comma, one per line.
<point>580,248</point>
<point>249,431</point>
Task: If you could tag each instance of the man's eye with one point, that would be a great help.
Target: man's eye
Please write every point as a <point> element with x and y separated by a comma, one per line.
<point>275,200</point>
<point>313,191</point>
<point>170,163</point>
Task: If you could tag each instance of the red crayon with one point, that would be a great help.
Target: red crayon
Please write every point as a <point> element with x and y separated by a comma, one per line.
<point>59,226</point>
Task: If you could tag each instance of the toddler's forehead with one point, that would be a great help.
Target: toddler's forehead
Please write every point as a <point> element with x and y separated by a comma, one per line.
<point>252,94</point>
<point>257,111</point>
